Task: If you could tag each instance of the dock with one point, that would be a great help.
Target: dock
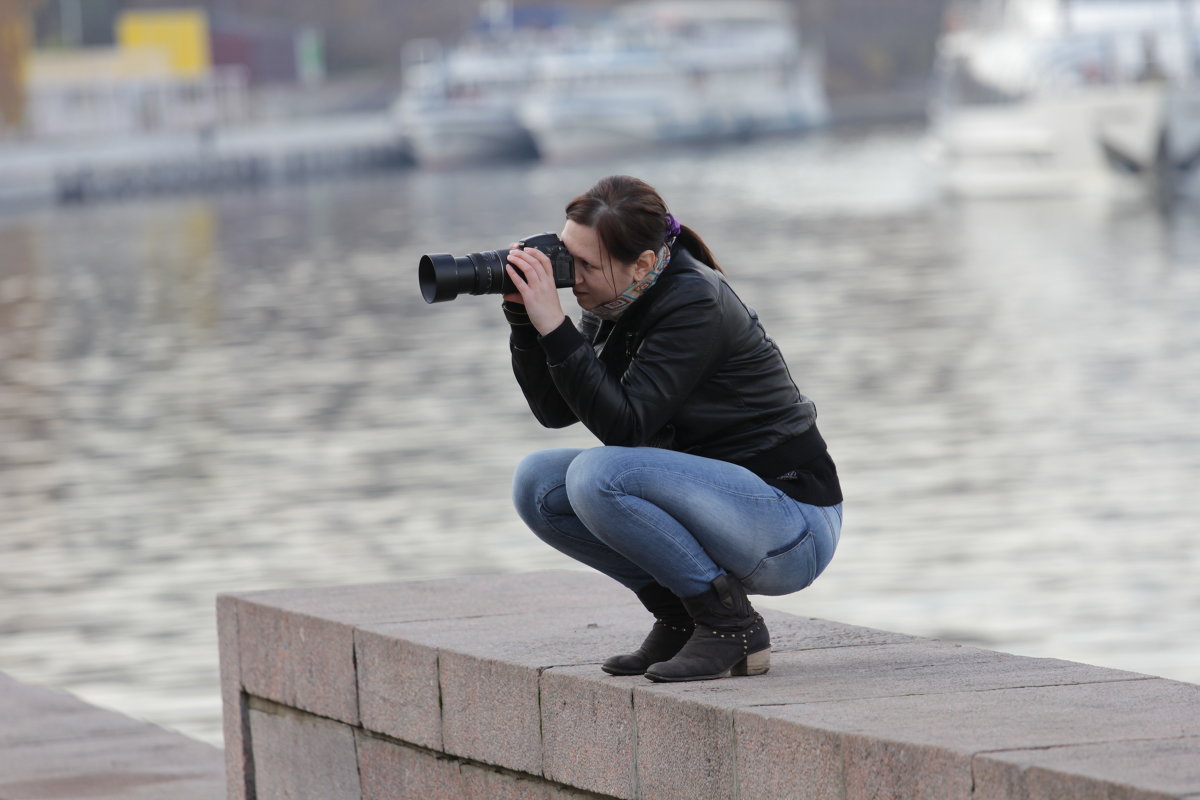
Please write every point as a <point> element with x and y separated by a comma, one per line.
<point>66,171</point>
<point>487,687</point>
<point>55,746</point>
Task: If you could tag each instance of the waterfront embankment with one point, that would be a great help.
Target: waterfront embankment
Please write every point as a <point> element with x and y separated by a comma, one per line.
<point>53,745</point>
<point>489,686</point>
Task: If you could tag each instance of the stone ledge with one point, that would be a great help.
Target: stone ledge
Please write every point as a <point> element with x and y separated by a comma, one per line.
<point>490,686</point>
<point>54,745</point>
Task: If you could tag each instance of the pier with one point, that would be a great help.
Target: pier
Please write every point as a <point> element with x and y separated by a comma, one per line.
<point>53,745</point>
<point>489,687</point>
<point>75,171</point>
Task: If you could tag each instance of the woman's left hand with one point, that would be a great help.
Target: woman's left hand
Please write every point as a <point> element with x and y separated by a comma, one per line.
<point>534,280</point>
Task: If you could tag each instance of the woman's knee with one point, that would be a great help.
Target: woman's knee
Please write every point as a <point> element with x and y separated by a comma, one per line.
<point>537,474</point>
<point>593,473</point>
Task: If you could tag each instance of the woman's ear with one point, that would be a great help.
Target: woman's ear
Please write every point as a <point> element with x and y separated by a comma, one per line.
<point>644,264</point>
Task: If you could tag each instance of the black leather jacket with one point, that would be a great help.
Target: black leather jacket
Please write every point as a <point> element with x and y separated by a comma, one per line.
<point>687,367</point>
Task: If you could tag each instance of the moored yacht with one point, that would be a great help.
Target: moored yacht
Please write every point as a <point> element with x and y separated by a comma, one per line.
<point>458,103</point>
<point>1068,96</point>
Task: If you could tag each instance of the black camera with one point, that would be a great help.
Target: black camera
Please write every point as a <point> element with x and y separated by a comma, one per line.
<point>444,277</point>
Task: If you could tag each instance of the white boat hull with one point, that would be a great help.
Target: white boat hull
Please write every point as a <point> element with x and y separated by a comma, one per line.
<point>448,137</point>
<point>566,127</point>
<point>448,146</point>
<point>1088,140</point>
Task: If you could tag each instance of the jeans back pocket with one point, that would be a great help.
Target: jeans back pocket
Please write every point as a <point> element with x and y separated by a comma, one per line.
<point>786,570</point>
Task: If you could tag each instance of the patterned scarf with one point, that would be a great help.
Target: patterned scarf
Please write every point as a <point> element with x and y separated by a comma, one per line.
<point>616,307</point>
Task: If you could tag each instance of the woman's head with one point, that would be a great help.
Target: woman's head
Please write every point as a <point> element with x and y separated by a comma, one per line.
<point>616,231</point>
<point>627,214</point>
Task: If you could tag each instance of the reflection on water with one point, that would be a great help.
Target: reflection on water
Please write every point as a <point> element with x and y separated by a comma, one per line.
<point>246,391</point>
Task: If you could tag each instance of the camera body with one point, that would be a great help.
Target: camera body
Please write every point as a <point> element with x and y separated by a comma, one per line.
<point>443,276</point>
<point>562,263</point>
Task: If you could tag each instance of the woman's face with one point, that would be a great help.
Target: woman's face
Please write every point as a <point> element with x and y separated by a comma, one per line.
<point>598,278</point>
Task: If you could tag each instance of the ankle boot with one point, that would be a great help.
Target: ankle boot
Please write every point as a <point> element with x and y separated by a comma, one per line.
<point>672,627</point>
<point>730,637</point>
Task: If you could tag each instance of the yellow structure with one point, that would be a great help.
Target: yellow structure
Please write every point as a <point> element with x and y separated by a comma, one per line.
<point>181,33</point>
<point>15,42</point>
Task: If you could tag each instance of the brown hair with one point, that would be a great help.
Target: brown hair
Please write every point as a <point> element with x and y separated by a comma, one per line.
<point>630,218</point>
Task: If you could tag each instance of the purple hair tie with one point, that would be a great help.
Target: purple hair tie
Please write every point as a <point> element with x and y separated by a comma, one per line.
<point>673,227</point>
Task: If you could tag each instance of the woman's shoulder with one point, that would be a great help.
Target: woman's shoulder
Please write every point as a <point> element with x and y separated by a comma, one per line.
<point>688,287</point>
<point>688,275</point>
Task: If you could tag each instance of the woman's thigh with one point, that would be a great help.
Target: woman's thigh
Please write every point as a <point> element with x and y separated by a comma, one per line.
<point>748,528</point>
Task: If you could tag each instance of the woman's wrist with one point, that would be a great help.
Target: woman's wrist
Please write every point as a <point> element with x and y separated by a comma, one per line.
<point>548,325</point>
<point>516,314</point>
<point>524,335</point>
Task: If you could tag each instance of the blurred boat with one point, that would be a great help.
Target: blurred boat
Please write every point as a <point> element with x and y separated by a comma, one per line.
<point>683,70</point>
<point>458,104</point>
<point>1068,96</point>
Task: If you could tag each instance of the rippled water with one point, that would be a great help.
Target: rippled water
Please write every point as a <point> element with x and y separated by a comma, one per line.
<point>245,391</point>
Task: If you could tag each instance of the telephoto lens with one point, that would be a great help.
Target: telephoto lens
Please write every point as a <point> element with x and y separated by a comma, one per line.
<point>444,277</point>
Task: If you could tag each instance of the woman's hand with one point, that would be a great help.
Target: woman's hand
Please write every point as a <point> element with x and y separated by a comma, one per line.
<point>534,280</point>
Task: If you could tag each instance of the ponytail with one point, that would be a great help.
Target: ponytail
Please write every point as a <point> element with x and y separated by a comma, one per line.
<point>689,240</point>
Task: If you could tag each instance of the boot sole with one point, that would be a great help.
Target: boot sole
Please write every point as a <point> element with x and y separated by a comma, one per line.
<point>753,664</point>
<point>622,672</point>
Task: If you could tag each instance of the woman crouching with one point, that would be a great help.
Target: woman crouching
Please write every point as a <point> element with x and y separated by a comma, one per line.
<point>712,481</point>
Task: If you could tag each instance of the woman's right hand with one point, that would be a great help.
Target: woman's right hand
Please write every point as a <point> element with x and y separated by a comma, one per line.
<point>530,271</point>
<point>513,297</point>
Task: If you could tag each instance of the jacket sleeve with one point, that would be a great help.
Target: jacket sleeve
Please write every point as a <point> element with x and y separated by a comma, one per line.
<point>533,376</point>
<point>682,346</point>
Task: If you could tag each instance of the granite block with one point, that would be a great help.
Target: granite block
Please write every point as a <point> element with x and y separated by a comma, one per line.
<point>551,637</point>
<point>300,661</point>
<point>874,767</point>
<point>790,632</point>
<point>685,750</point>
<point>235,714</point>
<point>398,689</point>
<point>392,771</point>
<point>40,715</point>
<point>488,675</point>
<point>298,755</point>
<point>18,697</point>
<point>912,667</point>
<point>145,763</point>
<point>1133,770</point>
<point>776,759</point>
<point>588,730</point>
<point>490,712</point>
<point>296,647</point>
<point>448,598</point>
<point>925,743</point>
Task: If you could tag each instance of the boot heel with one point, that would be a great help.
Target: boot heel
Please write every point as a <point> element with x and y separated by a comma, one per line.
<point>753,664</point>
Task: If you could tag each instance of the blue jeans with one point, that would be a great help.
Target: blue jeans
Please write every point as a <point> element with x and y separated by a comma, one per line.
<point>644,514</point>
